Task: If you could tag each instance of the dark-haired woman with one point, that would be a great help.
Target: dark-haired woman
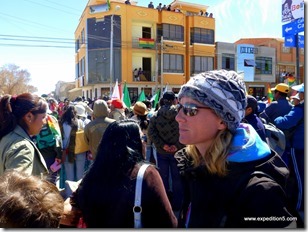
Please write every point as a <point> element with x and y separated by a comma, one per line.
<point>21,117</point>
<point>69,125</point>
<point>106,193</point>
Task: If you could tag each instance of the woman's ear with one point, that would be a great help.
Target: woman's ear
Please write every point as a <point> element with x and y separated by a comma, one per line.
<point>222,125</point>
<point>28,117</point>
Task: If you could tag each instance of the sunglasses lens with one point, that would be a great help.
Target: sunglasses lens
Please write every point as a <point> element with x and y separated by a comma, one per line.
<point>189,111</point>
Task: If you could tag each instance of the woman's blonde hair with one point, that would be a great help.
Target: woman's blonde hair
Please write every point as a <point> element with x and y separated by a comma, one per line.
<point>215,158</point>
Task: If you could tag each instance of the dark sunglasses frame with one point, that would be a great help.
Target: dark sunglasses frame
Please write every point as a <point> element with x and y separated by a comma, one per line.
<point>190,109</point>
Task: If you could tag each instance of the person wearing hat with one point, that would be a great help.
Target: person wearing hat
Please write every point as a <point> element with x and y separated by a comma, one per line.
<point>96,128</point>
<point>117,111</point>
<point>140,112</point>
<point>295,99</point>
<point>163,131</point>
<point>74,164</point>
<point>81,114</point>
<point>293,125</point>
<point>80,101</point>
<point>252,118</point>
<point>280,106</point>
<point>219,163</point>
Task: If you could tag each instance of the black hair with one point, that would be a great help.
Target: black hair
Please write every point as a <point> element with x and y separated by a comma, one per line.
<point>13,108</point>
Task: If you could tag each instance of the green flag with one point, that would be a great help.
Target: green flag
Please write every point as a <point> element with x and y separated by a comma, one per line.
<point>126,98</point>
<point>156,98</point>
<point>142,96</point>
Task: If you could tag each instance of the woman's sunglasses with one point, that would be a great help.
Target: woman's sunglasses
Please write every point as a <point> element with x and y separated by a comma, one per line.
<point>190,109</point>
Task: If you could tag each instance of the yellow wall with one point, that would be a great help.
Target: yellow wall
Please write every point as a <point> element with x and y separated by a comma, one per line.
<point>133,18</point>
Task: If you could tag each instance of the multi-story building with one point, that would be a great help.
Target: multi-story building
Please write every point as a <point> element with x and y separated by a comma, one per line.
<point>262,62</point>
<point>286,58</point>
<point>112,39</point>
<point>255,64</point>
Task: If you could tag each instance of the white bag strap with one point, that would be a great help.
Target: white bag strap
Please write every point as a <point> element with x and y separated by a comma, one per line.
<point>137,207</point>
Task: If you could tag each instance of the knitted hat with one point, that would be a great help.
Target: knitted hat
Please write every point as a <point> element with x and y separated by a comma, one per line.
<point>224,91</point>
<point>140,108</point>
<point>117,103</point>
<point>100,108</point>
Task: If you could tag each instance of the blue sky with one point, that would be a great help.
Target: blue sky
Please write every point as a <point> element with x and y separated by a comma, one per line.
<point>56,20</point>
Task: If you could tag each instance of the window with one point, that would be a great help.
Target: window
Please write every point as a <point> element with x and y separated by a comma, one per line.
<point>228,61</point>
<point>202,35</point>
<point>173,32</point>
<point>263,65</point>
<point>83,40</point>
<point>249,63</point>
<point>98,32</point>
<point>146,32</point>
<point>77,45</point>
<point>201,64</point>
<point>285,49</point>
<point>172,63</point>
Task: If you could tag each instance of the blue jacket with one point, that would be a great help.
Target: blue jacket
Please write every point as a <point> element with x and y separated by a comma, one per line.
<point>257,124</point>
<point>276,109</point>
<point>290,120</point>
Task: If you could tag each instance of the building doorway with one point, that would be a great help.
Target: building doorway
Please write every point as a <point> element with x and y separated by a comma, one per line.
<point>146,66</point>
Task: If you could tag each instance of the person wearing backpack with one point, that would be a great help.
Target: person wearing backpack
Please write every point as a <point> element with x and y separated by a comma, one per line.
<point>294,155</point>
<point>231,177</point>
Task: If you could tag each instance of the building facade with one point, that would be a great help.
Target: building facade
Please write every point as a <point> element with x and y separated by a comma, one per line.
<point>112,40</point>
<point>255,64</point>
<point>286,58</point>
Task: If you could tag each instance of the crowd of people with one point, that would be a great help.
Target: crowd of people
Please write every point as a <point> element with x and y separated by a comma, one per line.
<point>210,164</point>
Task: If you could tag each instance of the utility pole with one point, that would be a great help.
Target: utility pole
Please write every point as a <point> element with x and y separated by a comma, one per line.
<point>162,65</point>
<point>297,60</point>
<point>111,55</point>
<point>156,67</point>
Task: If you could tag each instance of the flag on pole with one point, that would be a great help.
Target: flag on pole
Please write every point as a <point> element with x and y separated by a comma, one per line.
<point>116,92</point>
<point>146,43</point>
<point>269,94</point>
<point>165,90</point>
<point>120,90</point>
<point>291,80</point>
<point>125,97</point>
<point>155,98</point>
<point>142,96</point>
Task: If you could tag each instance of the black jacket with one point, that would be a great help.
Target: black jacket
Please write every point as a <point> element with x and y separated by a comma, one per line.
<point>240,199</point>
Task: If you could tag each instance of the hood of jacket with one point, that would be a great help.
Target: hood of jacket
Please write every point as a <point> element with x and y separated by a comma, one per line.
<point>248,153</point>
